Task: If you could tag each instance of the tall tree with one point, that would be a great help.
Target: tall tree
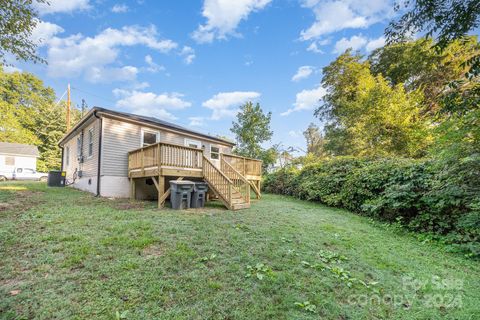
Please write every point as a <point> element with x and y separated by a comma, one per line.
<point>18,19</point>
<point>418,65</point>
<point>29,114</point>
<point>445,20</point>
<point>314,139</point>
<point>251,129</point>
<point>367,116</point>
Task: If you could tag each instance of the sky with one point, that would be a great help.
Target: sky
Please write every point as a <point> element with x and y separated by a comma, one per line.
<point>195,62</point>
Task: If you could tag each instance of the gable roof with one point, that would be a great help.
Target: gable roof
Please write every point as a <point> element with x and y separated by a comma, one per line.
<point>18,149</point>
<point>146,120</point>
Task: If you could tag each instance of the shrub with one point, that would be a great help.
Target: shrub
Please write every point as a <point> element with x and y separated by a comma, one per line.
<point>434,197</point>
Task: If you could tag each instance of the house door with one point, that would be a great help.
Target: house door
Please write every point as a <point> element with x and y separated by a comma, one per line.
<point>192,144</point>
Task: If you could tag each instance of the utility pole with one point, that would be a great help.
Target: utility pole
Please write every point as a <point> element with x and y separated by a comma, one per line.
<point>68,107</point>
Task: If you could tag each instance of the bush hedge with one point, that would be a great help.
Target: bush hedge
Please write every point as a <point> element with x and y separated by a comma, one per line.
<point>438,199</point>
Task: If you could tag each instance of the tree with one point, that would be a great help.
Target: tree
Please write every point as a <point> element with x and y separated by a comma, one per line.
<point>18,19</point>
<point>251,129</point>
<point>418,65</point>
<point>366,116</point>
<point>314,139</point>
<point>29,114</point>
<point>445,20</point>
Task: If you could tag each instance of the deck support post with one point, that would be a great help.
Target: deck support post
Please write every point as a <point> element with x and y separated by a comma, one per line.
<point>132,189</point>
<point>161,189</point>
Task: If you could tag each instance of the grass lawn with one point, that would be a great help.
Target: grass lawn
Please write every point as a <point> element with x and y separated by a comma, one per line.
<point>65,254</point>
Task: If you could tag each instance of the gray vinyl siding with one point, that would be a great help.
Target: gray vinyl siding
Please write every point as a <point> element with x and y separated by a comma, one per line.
<point>90,163</point>
<point>120,137</point>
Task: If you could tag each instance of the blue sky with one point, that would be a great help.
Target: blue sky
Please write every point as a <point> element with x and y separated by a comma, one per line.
<point>194,62</point>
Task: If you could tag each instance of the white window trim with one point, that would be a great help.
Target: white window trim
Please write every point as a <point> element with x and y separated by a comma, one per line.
<point>212,146</point>
<point>90,142</point>
<point>156,132</point>
<point>193,141</point>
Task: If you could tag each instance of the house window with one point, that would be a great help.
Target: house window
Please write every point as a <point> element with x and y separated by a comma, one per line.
<point>67,156</point>
<point>79,146</point>
<point>90,142</point>
<point>149,137</point>
<point>214,153</point>
<point>193,143</point>
<point>9,161</point>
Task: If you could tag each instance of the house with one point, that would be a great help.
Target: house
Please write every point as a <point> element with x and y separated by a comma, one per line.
<point>16,155</point>
<point>117,154</point>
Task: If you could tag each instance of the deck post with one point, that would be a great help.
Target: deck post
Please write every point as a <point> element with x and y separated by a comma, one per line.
<point>132,189</point>
<point>161,189</point>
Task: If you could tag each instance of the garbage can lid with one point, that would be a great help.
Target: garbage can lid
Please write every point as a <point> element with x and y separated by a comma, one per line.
<point>181,182</point>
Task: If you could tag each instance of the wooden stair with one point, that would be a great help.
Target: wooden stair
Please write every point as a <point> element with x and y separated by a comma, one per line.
<point>234,192</point>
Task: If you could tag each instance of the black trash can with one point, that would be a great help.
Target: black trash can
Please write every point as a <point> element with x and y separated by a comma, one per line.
<point>199,194</point>
<point>56,178</point>
<point>180,194</point>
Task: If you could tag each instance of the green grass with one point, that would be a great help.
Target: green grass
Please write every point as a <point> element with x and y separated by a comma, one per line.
<point>74,256</point>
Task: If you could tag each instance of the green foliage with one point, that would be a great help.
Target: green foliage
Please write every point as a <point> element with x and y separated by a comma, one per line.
<point>307,306</point>
<point>251,129</point>
<point>259,271</point>
<point>29,115</point>
<point>18,19</point>
<point>367,116</point>
<point>447,21</point>
<point>315,140</point>
<point>428,196</point>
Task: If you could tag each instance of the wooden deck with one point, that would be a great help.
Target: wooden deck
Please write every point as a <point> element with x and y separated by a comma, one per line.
<point>231,181</point>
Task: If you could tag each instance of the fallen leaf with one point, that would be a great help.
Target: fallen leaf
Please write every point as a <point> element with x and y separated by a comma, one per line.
<point>15,292</point>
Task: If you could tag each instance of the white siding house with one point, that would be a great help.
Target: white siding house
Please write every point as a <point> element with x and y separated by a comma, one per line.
<point>95,150</point>
<point>16,155</point>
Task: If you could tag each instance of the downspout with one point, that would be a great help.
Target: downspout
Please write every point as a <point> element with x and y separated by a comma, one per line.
<point>61,166</point>
<point>99,165</point>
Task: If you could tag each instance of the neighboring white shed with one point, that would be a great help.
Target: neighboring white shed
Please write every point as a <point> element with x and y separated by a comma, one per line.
<point>17,155</point>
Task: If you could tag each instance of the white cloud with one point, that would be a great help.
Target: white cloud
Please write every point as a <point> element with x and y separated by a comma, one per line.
<point>335,15</point>
<point>150,103</point>
<point>313,47</point>
<point>78,55</point>
<point>303,72</point>
<point>62,6</point>
<point>306,100</point>
<point>223,18</point>
<point>152,66</point>
<point>119,8</point>
<point>375,43</point>
<point>44,32</point>
<point>107,75</point>
<point>355,43</point>
<point>294,134</point>
<point>225,104</point>
<point>188,54</point>
<point>197,121</point>
<point>11,69</point>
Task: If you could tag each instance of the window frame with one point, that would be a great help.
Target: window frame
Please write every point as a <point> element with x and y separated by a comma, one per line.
<point>9,158</point>
<point>217,153</point>
<point>156,132</point>
<point>187,142</point>
<point>90,143</point>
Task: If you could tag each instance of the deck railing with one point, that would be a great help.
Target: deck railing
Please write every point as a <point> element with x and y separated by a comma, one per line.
<point>239,182</point>
<point>245,166</point>
<point>164,154</point>
<point>218,179</point>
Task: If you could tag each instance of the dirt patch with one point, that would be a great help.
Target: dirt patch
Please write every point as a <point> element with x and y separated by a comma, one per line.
<point>153,251</point>
<point>21,201</point>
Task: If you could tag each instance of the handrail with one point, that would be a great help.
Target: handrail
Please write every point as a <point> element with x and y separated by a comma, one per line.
<point>166,144</point>
<point>218,180</point>
<point>235,177</point>
<point>245,166</point>
<point>240,157</point>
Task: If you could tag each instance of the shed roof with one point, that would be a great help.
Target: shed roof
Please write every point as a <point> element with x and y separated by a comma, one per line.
<point>18,149</point>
